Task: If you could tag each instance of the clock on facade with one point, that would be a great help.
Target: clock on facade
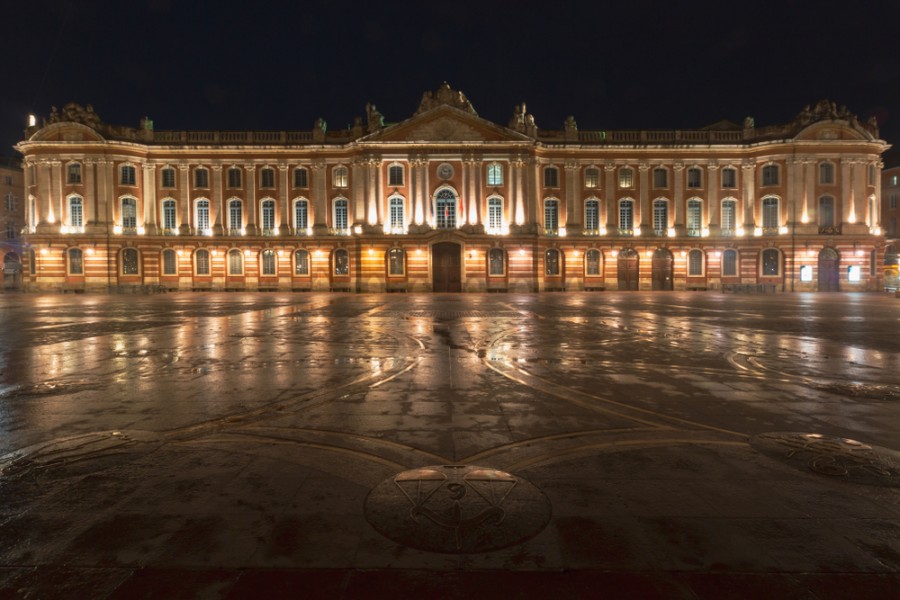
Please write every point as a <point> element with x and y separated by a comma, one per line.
<point>445,171</point>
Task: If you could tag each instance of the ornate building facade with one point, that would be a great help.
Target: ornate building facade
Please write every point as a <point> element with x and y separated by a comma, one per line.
<point>12,222</point>
<point>448,201</point>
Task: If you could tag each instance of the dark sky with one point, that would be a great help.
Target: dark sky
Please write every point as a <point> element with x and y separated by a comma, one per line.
<point>280,65</point>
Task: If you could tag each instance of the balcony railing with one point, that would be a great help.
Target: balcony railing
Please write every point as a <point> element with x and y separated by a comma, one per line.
<point>626,232</point>
<point>695,232</point>
<point>269,232</point>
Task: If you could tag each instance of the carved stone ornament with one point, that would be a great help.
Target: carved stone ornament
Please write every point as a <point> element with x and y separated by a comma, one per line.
<point>445,130</point>
<point>445,95</point>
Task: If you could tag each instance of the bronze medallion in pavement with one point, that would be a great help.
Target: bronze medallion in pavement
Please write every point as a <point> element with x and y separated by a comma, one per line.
<point>835,456</point>
<point>457,509</point>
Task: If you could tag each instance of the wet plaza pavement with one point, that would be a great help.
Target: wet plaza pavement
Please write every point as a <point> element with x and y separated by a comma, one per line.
<point>622,445</point>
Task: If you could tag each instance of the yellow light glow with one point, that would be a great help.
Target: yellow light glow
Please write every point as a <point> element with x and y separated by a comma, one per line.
<point>246,253</point>
<point>704,232</point>
<point>90,251</point>
<point>671,232</point>
<point>141,231</point>
<point>757,231</point>
<point>562,232</point>
<point>43,252</point>
<point>615,253</point>
<point>783,229</point>
<point>637,232</point>
<point>603,231</point>
<point>117,229</point>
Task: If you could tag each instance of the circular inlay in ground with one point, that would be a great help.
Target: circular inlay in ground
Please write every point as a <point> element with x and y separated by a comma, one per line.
<point>457,509</point>
<point>835,456</point>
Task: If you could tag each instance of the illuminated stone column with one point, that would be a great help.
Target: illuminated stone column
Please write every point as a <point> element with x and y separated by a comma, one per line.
<point>749,193</point>
<point>875,217</point>
<point>712,198</point>
<point>358,190</point>
<point>90,194</point>
<point>251,199</point>
<point>217,202</point>
<point>379,192</point>
<point>184,198</point>
<point>573,204</point>
<point>371,191</point>
<point>810,205</point>
<point>610,204</point>
<point>678,198</point>
<point>104,192</point>
<point>518,166</point>
<point>533,200</point>
<point>417,181</point>
<point>478,200</point>
<point>285,226</point>
<point>320,198</point>
<point>643,216</point>
<point>58,192</point>
<point>148,190</point>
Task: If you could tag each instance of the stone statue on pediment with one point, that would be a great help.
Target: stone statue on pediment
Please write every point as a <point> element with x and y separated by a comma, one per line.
<point>749,123</point>
<point>517,121</point>
<point>445,95</point>
<point>570,125</point>
<point>374,119</point>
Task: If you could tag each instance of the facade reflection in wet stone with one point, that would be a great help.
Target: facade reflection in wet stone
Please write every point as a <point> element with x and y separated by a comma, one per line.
<point>446,200</point>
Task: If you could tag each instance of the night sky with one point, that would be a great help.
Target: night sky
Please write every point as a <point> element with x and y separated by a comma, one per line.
<point>280,65</point>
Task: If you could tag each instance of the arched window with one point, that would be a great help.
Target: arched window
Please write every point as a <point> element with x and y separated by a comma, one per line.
<point>202,217</point>
<point>130,262</point>
<point>267,177</point>
<point>626,177</point>
<point>341,262</point>
<point>169,220</point>
<point>496,262</point>
<point>770,175</point>
<point>340,215</point>
<point>301,178</point>
<point>201,262</point>
<point>339,177</point>
<point>729,216</point>
<point>626,217</point>
<point>729,263</point>
<point>301,216</point>
<point>267,216</point>
<point>167,175</point>
<point>495,174</point>
<point>169,262</point>
<point>661,217</point>
<point>551,216</point>
<point>129,213</point>
<point>592,263</point>
<point>201,177</point>
<point>826,213</point>
<point>445,209</point>
<point>235,262</point>
<point>268,262</point>
<point>397,214</point>
<point>396,259</point>
<point>551,177</point>
<point>551,262</point>
<point>695,263</point>
<point>76,261</point>
<point>694,178</point>
<point>660,177</point>
<point>395,175</point>
<point>592,216</point>
<point>301,262</point>
<point>495,214</point>
<point>73,173</point>
<point>234,177</point>
<point>771,262</point>
<point>770,216</point>
<point>127,175</point>
<point>592,178</point>
<point>76,212</point>
<point>826,173</point>
<point>235,216</point>
<point>694,217</point>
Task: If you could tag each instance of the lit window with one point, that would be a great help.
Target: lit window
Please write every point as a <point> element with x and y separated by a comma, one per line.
<point>551,262</point>
<point>592,263</point>
<point>395,175</point>
<point>10,202</point>
<point>201,178</point>
<point>729,214</point>
<point>301,216</point>
<point>551,177</point>
<point>626,215</point>
<point>771,262</point>
<point>770,215</point>
<point>202,215</point>
<point>73,173</point>
<point>202,262</point>
<point>339,177</point>
<point>729,263</point>
<point>267,258</point>
<point>235,262</point>
<point>660,178</point>
<point>341,260</point>
<point>770,175</point>
<point>130,262</point>
<point>445,209</point>
<point>234,177</point>
<point>496,262</point>
<point>235,216</point>
<point>660,217</point>
<point>268,216</point>
<point>551,216</point>
<point>729,178</point>
<point>76,261</point>
<point>301,178</point>
<point>826,212</point>
<point>128,176</point>
<point>129,213</point>
<point>592,178</point>
<point>301,262</point>
<point>76,212</point>
<point>169,262</point>
<point>694,177</point>
<point>826,173</point>
<point>695,263</point>
<point>396,214</point>
<point>495,214</point>
<point>169,214</point>
<point>396,262</point>
<point>694,217</point>
<point>494,174</point>
<point>340,214</point>
<point>168,178</point>
<point>592,215</point>
<point>626,177</point>
<point>267,178</point>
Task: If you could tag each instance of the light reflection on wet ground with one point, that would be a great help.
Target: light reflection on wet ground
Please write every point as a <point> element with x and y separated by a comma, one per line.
<point>560,388</point>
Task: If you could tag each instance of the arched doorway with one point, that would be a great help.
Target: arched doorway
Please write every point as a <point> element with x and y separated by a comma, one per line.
<point>627,268</point>
<point>12,270</point>
<point>663,262</point>
<point>829,270</point>
<point>445,267</point>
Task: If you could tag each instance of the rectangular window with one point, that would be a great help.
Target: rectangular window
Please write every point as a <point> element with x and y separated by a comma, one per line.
<point>339,177</point>
<point>770,215</point>
<point>396,214</point>
<point>660,178</point>
<point>268,216</point>
<point>626,178</point>
<point>74,175</point>
<point>301,178</point>
<point>626,215</point>
<point>169,263</point>
<point>203,215</point>
<point>770,175</point>
<point>729,263</point>
<point>267,178</point>
<point>592,178</point>
<point>169,214</point>
<point>729,211</point>
<point>826,173</point>
<point>202,262</point>
<point>168,178</point>
<point>395,175</point>
<point>128,175</point>
<point>201,178</point>
<point>551,215</point>
<point>694,178</point>
<point>234,178</point>
<point>695,263</point>
<point>129,213</point>
<point>495,214</point>
<point>551,177</point>
<point>494,174</point>
<point>729,179</point>
<point>592,215</point>
<point>694,217</point>
<point>340,214</point>
<point>235,216</point>
<point>76,264</point>
<point>301,219</point>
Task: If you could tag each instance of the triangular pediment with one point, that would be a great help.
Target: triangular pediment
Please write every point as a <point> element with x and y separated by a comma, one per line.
<point>445,124</point>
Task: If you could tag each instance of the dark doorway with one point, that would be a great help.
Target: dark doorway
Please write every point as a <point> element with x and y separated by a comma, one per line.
<point>662,270</point>
<point>627,267</point>
<point>12,271</point>
<point>445,267</point>
<point>829,270</point>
